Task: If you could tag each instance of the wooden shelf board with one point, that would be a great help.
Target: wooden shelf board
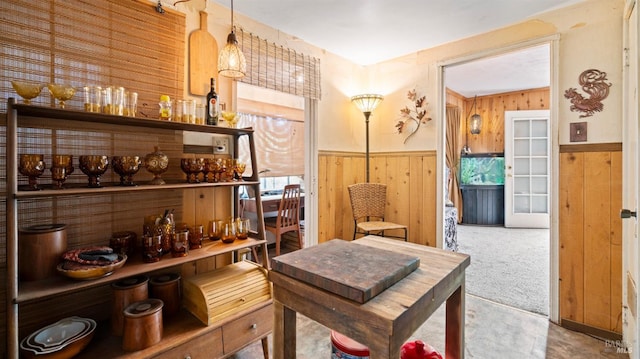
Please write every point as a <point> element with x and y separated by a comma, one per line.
<point>58,285</point>
<point>114,187</point>
<point>51,113</point>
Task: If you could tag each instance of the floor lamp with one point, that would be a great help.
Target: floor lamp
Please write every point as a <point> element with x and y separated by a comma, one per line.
<point>367,103</point>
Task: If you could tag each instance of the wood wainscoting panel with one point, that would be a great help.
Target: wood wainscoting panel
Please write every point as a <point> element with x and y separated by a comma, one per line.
<point>591,238</point>
<point>411,192</point>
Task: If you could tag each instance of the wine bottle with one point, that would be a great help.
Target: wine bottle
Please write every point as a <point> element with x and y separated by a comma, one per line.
<point>212,105</point>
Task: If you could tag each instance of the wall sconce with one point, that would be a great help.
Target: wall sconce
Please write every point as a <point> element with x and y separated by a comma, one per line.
<point>366,104</point>
<point>231,62</point>
<point>475,123</point>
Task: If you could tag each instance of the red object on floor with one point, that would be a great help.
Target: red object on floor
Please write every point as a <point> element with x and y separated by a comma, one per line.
<point>418,350</point>
<point>348,346</point>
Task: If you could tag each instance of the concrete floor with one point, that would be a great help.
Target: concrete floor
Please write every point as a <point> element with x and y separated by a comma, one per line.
<point>492,331</point>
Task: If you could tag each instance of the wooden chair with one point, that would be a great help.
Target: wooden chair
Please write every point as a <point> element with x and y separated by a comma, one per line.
<point>288,218</point>
<point>368,202</point>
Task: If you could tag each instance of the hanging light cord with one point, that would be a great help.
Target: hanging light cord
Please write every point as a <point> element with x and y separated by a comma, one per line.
<point>474,106</point>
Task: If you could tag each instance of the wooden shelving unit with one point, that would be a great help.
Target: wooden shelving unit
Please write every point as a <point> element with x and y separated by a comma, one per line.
<point>184,334</point>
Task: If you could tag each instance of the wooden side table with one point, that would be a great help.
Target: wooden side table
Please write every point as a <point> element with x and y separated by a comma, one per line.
<point>386,321</point>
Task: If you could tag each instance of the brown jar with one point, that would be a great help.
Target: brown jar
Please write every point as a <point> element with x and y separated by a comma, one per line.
<point>125,292</point>
<point>142,324</point>
<point>167,288</point>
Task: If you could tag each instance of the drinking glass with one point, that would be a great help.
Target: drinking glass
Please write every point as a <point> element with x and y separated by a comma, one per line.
<point>92,98</point>
<point>243,226</point>
<point>130,104</point>
<point>151,247</point>
<point>228,232</point>
<point>180,244</point>
<point>239,169</point>
<point>215,229</point>
<point>200,111</point>
<point>195,236</point>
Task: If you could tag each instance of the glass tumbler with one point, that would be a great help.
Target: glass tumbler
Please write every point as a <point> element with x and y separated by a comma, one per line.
<point>92,98</point>
<point>151,248</point>
<point>180,244</point>
<point>243,226</point>
<point>215,229</point>
<point>200,111</point>
<point>195,236</point>
<point>228,232</point>
<point>189,111</point>
<point>130,104</point>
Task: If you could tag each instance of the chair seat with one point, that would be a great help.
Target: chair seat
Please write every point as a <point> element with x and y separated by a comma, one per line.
<point>373,226</point>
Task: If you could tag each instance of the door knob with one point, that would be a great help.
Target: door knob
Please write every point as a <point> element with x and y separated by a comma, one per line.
<point>627,213</point>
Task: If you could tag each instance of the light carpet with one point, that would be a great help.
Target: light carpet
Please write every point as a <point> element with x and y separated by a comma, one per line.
<point>508,265</point>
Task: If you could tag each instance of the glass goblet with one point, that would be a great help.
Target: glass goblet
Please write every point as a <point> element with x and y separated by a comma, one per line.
<point>210,168</point>
<point>220,168</point>
<point>230,169</point>
<point>33,167</point>
<point>192,167</point>
<point>58,175</point>
<point>126,167</point>
<point>94,167</point>
<point>240,167</point>
<point>27,90</point>
<point>62,93</point>
<point>65,161</point>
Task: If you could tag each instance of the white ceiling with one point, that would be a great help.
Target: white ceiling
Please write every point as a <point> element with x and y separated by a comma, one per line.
<point>371,31</point>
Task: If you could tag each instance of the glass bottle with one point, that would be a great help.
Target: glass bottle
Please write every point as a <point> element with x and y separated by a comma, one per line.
<point>212,105</point>
<point>165,108</point>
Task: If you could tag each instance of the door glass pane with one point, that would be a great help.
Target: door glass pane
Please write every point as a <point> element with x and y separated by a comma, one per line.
<point>521,128</point>
<point>539,185</point>
<point>521,166</point>
<point>539,166</point>
<point>521,147</point>
<point>539,204</point>
<point>539,128</point>
<point>521,204</point>
<point>539,147</point>
<point>521,185</point>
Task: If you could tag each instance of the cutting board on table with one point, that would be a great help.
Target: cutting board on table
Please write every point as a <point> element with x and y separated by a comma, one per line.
<point>203,58</point>
<point>350,270</point>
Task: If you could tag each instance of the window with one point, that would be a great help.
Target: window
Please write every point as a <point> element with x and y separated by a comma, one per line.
<point>278,121</point>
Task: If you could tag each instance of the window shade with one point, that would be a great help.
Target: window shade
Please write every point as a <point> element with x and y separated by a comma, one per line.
<point>274,67</point>
<point>99,42</point>
<point>279,143</point>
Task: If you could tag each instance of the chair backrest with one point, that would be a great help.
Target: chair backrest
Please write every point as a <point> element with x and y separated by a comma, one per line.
<point>289,211</point>
<point>368,200</point>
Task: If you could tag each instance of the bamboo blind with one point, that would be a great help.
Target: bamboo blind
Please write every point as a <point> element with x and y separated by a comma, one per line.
<point>278,68</point>
<point>100,42</point>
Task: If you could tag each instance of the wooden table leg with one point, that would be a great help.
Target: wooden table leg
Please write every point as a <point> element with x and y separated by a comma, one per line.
<point>284,332</point>
<point>454,342</point>
<point>265,347</point>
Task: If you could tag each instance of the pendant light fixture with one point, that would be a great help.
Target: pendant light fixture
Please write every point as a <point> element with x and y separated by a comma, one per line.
<point>231,62</point>
<point>475,123</point>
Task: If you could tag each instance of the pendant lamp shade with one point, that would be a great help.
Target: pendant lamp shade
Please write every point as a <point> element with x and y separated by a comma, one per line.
<point>475,122</point>
<point>231,62</point>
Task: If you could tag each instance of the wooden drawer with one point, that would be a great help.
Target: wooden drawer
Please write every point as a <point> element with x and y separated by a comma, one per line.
<point>247,329</point>
<point>206,346</point>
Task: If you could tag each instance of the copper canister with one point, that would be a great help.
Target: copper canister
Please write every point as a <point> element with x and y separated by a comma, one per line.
<point>167,288</point>
<point>142,324</point>
<point>40,249</point>
<point>125,292</point>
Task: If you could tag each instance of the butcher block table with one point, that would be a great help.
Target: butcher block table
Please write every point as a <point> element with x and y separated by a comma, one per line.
<point>386,320</point>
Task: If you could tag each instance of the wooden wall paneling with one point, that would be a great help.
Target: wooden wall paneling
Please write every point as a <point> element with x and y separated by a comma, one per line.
<point>398,190</point>
<point>597,244</point>
<point>571,234</point>
<point>335,167</point>
<point>428,177</point>
<point>615,314</point>
<point>417,202</point>
<point>323,198</point>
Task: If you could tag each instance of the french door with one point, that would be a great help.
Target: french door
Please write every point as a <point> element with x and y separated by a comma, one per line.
<point>527,166</point>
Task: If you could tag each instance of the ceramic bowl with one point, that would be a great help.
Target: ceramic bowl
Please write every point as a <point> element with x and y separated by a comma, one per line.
<point>72,335</point>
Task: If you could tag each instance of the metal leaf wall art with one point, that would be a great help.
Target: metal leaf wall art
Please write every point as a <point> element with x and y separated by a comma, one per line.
<point>594,83</point>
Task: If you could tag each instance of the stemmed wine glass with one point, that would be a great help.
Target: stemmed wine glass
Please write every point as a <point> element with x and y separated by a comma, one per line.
<point>61,168</point>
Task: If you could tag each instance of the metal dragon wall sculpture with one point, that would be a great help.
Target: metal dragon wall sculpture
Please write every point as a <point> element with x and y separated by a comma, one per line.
<point>594,83</point>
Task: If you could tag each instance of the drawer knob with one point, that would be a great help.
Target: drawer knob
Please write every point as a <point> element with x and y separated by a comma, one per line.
<point>254,326</point>
<point>243,300</point>
<point>187,357</point>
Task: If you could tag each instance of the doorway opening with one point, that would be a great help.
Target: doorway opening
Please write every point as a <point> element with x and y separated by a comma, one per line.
<point>512,264</point>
